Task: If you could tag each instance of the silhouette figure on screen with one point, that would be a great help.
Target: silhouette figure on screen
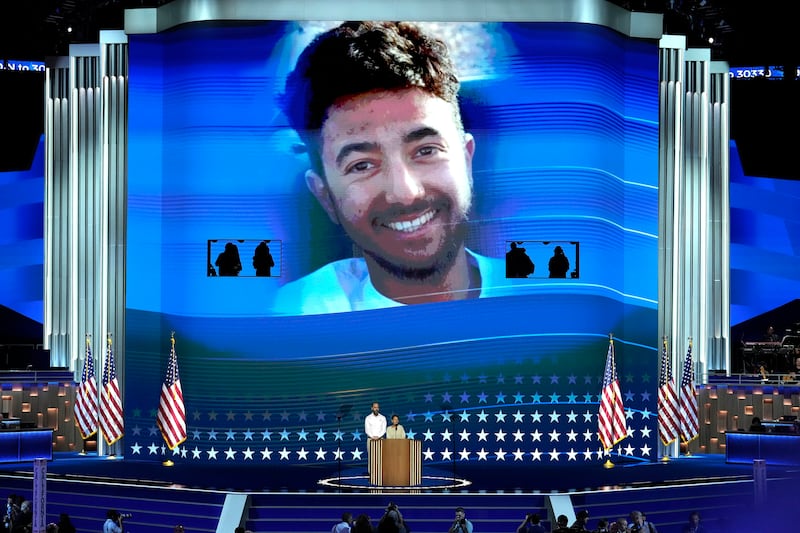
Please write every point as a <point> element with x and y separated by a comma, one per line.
<point>262,260</point>
<point>558,264</point>
<point>228,261</point>
<point>518,264</point>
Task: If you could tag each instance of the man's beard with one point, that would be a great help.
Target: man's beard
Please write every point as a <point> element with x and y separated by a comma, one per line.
<point>432,273</point>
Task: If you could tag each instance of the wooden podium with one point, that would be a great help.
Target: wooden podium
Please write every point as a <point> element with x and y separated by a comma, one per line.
<point>395,462</point>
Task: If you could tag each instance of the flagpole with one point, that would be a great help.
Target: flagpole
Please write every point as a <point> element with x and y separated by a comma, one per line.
<point>665,457</point>
<point>688,452</point>
<point>611,407</point>
<point>87,354</point>
<point>688,388</point>
<point>609,463</point>
<point>88,337</point>
<point>171,418</point>
<point>112,449</point>
<point>170,462</point>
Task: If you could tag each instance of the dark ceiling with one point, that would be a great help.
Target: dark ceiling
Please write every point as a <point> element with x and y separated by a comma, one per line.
<point>743,34</point>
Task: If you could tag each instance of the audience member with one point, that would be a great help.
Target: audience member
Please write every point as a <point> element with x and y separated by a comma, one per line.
<point>602,526</point>
<point>65,524</point>
<point>392,520</point>
<point>581,521</point>
<point>694,524</point>
<point>771,335</point>
<point>756,426</point>
<point>22,523</point>
<point>794,372</point>
<point>562,524</point>
<point>363,524</point>
<point>619,526</point>
<point>113,522</point>
<point>344,525</point>
<point>12,510</point>
<point>461,524</point>
<point>531,524</point>
<point>639,524</point>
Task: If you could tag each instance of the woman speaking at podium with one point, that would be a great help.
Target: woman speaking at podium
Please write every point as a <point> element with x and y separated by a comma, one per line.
<point>396,430</point>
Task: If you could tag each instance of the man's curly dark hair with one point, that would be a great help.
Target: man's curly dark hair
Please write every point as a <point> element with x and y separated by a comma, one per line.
<point>359,57</point>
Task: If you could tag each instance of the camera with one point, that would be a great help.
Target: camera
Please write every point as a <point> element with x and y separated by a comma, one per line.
<point>125,515</point>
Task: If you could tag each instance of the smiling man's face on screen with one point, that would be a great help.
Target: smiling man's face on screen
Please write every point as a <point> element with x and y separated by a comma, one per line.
<point>398,179</point>
<point>376,105</point>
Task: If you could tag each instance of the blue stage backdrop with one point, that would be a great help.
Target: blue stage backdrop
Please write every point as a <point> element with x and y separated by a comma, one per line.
<point>765,244</point>
<point>22,239</point>
<point>565,118</point>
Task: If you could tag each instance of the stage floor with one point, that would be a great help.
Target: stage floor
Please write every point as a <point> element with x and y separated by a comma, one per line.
<point>479,476</point>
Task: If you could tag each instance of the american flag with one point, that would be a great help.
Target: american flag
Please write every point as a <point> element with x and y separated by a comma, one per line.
<point>171,412</point>
<point>86,396</point>
<point>667,400</point>
<point>111,420</point>
<point>613,427</point>
<point>690,426</point>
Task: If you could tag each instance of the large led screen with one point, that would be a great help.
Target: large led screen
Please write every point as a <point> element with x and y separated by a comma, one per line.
<point>559,150</point>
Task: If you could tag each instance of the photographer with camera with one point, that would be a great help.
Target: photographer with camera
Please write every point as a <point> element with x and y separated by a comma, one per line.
<point>113,522</point>
<point>461,524</point>
<point>531,524</point>
<point>392,520</point>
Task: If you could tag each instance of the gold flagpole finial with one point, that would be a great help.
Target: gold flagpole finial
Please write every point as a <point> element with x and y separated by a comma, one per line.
<point>172,338</point>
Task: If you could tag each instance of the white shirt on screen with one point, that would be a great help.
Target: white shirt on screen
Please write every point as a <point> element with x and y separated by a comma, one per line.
<point>345,285</point>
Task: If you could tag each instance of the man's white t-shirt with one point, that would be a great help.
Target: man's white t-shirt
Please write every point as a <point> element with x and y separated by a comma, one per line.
<point>345,285</point>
